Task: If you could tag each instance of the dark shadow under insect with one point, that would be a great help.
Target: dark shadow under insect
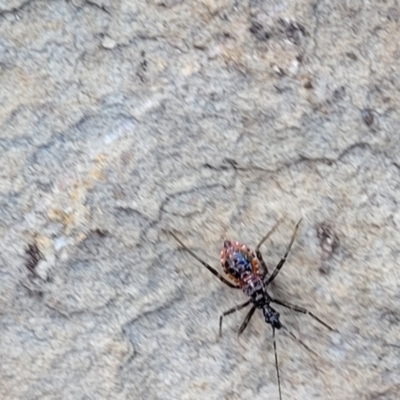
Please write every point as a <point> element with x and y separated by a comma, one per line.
<point>249,272</point>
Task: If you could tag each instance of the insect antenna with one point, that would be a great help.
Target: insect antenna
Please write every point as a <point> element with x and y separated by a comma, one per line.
<point>209,267</point>
<point>299,341</point>
<point>276,364</point>
<point>273,229</point>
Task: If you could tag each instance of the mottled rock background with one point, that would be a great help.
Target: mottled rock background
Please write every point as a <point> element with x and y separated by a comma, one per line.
<point>212,118</point>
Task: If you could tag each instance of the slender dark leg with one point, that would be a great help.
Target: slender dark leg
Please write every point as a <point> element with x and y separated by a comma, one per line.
<point>258,253</point>
<point>299,341</point>
<point>264,269</point>
<point>283,259</point>
<point>246,320</point>
<point>276,364</point>
<point>230,311</point>
<point>211,269</point>
<point>301,310</point>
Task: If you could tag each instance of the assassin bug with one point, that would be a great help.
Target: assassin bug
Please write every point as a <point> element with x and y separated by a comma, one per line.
<point>248,271</point>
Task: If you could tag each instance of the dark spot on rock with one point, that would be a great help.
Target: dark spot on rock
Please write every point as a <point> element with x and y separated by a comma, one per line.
<point>367,116</point>
<point>277,69</point>
<point>141,73</point>
<point>329,241</point>
<point>37,293</point>
<point>293,30</point>
<point>167,3</point>
<point>392,317</point>
<point>231,162</point>
<point>281,89</point>
<point>100,232</point>
<point>352,56</point>
<point>393,14</point>
<point>259,32</point>
<point>33,257</point>
<point>213,96</point>
<point>308,84</point>
<point>339,93</point>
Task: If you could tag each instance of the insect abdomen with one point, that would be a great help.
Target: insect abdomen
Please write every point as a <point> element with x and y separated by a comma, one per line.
<point>241,265</point>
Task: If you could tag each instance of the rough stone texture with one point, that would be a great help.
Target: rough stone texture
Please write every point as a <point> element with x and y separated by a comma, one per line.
<point>211,118</point>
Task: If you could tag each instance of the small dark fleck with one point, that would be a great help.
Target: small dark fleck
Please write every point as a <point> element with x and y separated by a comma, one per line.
<point>168,3</point>
<point>339,93</point>
<point>278,70</point>
<point>308,84</point>
<point>368,116</point>
<point>329,240</point>
<point>33,257</point>
<point>143,64</point>
<point>231,162</point>
<point>294,31</point>
<point>352,56</point>
<point>224,17</point>
<point>213,96</point>
<point>35,292</point>
<point>100,232</point>
<point>393,14</point>
<point>391,316</point>
<point>281,89</point>
<point>142,67</point>
<point>258,31</point>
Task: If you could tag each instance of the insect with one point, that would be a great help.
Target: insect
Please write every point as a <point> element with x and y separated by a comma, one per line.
<point>247,270</point>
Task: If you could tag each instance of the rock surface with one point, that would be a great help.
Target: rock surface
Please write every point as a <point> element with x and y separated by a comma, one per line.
<point>120,119</point>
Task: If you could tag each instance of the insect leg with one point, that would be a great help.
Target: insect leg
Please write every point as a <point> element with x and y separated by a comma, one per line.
<point>246,320</point>
<point>283,259</point>
<point>211,269</point>
<point>302,310</point>
<point>276,364</point>
<point>299,341</point>
<point>258,253</point>
<point>230,311</point>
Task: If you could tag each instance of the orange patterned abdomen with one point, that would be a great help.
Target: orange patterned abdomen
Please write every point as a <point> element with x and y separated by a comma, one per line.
<point>241,265</point>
